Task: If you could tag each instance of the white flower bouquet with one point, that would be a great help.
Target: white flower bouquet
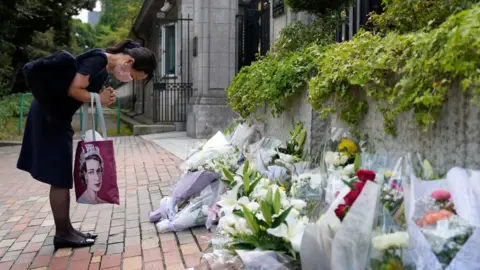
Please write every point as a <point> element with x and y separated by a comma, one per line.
<point>257,214</point>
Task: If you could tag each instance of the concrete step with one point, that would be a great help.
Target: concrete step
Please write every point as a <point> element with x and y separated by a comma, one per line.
<point>152,129</point>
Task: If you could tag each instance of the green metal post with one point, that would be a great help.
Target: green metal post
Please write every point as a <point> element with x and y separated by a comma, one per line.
<point>20,120</point>
<point>118,116</point>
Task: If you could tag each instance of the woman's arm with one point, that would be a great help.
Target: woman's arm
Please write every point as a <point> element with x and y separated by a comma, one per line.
<point>77,89</point>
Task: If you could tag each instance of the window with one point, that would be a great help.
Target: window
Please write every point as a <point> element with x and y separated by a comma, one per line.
<point>278,8</point>
<point>169,50</point>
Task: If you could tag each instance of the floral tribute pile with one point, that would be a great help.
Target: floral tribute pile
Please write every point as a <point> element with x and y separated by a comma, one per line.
<point>270,206</point>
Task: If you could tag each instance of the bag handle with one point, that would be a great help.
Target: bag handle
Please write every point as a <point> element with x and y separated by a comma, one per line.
<point>94,97</point>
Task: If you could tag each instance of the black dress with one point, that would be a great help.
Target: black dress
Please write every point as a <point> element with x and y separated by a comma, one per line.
<point>47,148</point>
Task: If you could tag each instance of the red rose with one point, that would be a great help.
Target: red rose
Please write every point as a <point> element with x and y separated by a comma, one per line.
<point>351,197</point>
<point>358,186</point>
<point>341,211</point>
<point>366,175</point>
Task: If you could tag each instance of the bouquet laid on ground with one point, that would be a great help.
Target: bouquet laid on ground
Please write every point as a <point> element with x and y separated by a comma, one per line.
<point>257,214</point>
<point>339,156</point>
<point>442,222</point>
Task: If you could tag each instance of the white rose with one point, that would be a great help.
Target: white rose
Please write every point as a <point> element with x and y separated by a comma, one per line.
<point>349,170</point>
<point>298,204</point>
<point>330,157</point>
<point>388,241</point>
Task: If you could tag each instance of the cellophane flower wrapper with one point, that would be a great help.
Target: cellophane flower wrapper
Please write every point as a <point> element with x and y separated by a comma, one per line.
<point>306,185</point>
<point>220,260</point>
<point>266,260</point>
<point>337,161</point>
<point>241,135</point>
<point>193,214</point>
<point>245,260</point>
<point>353,239</point>
<point>190,185</point>
<point>432,246</point>
<point>387,249</point>
<point>316,248</point>
<point>212,215</point>
<point>216,146</point>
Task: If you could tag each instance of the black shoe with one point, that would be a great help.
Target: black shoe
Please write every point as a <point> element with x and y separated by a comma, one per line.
<point>59,243</point>
<point>90,235</point>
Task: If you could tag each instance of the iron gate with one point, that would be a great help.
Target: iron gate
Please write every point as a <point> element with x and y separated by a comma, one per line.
<point>172,87</point>
<point>253,31</point>
<point>357,16</point>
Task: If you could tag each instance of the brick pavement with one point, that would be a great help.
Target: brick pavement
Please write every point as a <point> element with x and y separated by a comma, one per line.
<point>127,240</point>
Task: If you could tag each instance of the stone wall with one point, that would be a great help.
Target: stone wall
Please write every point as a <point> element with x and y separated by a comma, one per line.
<point>453,141</point>
<point>298,110</point>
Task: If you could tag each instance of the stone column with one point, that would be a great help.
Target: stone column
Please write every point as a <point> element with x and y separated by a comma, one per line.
<point>214,23</point>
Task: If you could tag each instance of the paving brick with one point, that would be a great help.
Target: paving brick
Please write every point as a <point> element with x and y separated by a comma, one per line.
<point>192,259</point>
<point>80,265</point>
<point>133,263</point>
<point>64,252</point>
<point>111,260</point>
<point>132,251</point>
<point>94,266</point>
<point>60,263</point>
<point>115,248</point>
<point>189,248</point>
<point>6,243</point>
<point>23,266</point>
<point>172,258</point>
<point>25,258</point>
<point>39,238</point>
<point>10,256</point>
<point>81,254</point>
<point>126,238</point>
<point>153,254</point>
<point>41,261</point>
<point>32,247</point>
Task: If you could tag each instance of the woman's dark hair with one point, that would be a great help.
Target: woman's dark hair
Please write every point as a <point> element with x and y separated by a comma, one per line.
<point>83,167</point>
<point>145,59</point>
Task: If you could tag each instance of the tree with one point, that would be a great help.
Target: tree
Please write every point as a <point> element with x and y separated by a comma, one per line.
<point>22,21</point>
<point>319,7</point>
<point>116,21</point>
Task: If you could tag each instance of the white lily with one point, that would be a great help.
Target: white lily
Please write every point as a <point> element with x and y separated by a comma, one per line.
<point>292,231</point>
<point>251,205</point>
<point>228,202</point>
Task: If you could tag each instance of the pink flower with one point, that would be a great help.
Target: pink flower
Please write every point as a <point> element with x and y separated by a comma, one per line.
<point>441,195</point>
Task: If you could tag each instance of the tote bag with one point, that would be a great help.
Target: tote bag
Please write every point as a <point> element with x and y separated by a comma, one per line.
<point>95,173</point>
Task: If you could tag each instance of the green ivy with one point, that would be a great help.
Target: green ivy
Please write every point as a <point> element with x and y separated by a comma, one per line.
<point>284,70</point>
<point>413,15</point>
<point>317,6</point>
<point>272,79</point>
<point>402,72</point>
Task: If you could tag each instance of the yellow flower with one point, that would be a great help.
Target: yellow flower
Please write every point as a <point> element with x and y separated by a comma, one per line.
<point>348,146</point>
<point>282,188</point>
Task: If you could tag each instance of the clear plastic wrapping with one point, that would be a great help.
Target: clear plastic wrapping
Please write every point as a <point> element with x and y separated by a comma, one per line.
<point>193,214</point>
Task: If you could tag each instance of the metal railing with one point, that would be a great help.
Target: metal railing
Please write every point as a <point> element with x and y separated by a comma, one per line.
<point>117,109</point>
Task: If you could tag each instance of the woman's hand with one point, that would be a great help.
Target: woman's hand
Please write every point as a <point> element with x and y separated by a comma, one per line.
<point>108,96</point>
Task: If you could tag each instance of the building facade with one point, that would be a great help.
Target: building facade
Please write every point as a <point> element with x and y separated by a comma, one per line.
<point>200,46</point>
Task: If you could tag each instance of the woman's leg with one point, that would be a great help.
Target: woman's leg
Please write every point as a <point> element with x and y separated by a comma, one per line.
<point>60,203</point>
